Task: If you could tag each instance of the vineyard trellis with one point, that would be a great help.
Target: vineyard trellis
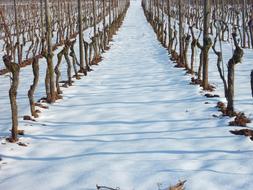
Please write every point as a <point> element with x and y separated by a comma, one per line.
<point>183,22</point>
<point>35,29</point>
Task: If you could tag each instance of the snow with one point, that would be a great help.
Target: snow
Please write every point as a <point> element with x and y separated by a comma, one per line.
<point>132,123</point>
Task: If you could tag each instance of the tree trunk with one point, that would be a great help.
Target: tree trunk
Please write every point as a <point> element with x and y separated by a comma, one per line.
<point>219,61</point>
<point>251,31</point>
<point>94,38</point>
<point>251,81</point>
<point>35,66</point>
<point>186,46</point>
<point>193,46</point>
<point>80,25</point>
<point>181,46</point>
<point>90,53</point>
<point>66,56</point>
<point>47,85</point>
<point>243,24</point>
<point>57,71</point>
<point>162,23</point>
<point>207,42</point>
<point>236,58</point>
<point>110,12</point>
<point>200,65</point>
<point>230,94</point>
<point>14,69</point>
<point>86,53</point>
<point>104,24</point>
<point>42,19</point>
<point>17,34</point>
<point>94,6</point>
<point>192,56</point>
<point>169,24</point>
<point>74,59</point>
<point>49,56</point>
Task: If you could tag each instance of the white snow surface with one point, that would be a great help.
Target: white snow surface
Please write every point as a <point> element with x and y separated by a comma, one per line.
<point>132,123</point>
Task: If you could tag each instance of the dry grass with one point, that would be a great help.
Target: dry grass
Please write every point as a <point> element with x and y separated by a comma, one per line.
<point>174,56</point>
<point>21,132</point>
<point>195,81</point>
<point>22,144</point>
<point>178,186</point>
<point>41,106</point>
<point>96,60</point>
<point>208,95</point>
<point>244,132</point>
<point>223,109</point>
<point>240,120</point>
<point>28,118</point>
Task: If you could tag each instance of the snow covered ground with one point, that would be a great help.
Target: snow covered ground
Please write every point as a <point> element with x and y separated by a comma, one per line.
<point>132,123</point>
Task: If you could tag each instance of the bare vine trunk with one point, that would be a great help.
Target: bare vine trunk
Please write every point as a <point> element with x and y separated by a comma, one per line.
<point>230,93</point>
<point>186,46</point>
<point>49,57</point>
<point>236,58</point>
<point>181,47</point>
<point>80,25</point>
<point>14,69</point>
<point>66,56</point>
<point>251,81</point>
<point>169,25</point>
<point>86,53</point>
<point>207,42</point>
<point>74,59</point>
<point>35,66</point>
<point>244,24</point>
<point>57,70</point>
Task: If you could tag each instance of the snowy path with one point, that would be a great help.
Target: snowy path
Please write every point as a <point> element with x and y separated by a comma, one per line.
<point>132,123</point>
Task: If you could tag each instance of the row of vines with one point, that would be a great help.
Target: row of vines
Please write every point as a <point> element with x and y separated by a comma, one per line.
<point>186,27</point>
<point>74,31</point>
